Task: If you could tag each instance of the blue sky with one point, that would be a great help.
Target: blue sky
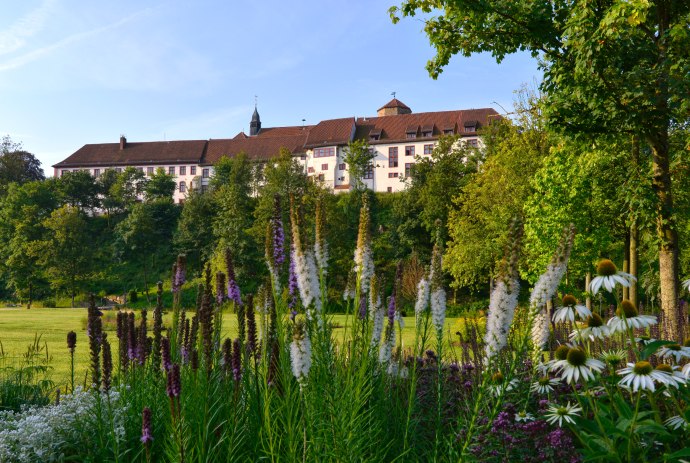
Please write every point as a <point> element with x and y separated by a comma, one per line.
<point>75,71</point>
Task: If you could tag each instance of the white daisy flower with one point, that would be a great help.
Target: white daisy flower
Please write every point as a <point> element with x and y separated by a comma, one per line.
<point>674,351</point>
<point>558,414</point>
<point>641,376</point>
<point>560,354</point>
<point>677,422</point>
<point>570,309</point>
<point>644,340</point>
<point>523,416</point>
<point>675,377</point>
<point>544,385</point>
<point>628,317</point>
<point>686,370</point>
<point>686,284</point>
<point>498,385</point>
<point>594,329</point>
<point>609,276</point>
<point>577,365</point>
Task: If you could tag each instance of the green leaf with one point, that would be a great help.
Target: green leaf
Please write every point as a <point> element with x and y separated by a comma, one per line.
<point>652,347</point>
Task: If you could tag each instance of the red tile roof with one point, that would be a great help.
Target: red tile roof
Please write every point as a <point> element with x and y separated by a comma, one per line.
<point>395,103</point>
<point>331,132</point>
<point>394,128</point>
<point>155,152</point>
<point>265,145</point>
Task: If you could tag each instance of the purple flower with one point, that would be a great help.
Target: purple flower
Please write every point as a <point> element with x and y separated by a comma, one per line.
<point>236,360</point>
<point>233,290</point>
<point>278,235</point>
<point>174,385</point>
<point>292,285</point>
<point>165,353</point>
<point>71,341</point>
<point>391,309</point>
<point>362,307</point>
<point>146,436</point>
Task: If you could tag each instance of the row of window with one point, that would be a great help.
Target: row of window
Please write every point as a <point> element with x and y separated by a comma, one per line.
<point>205,173</point>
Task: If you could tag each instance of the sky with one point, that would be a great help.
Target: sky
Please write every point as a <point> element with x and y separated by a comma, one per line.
<point>74,72</point>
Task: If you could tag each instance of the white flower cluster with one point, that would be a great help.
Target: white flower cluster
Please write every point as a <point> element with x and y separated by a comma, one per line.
<point>504,300</point>
<point>388,345</point>
<point>300,354</point>
<point>321,255</point>
<point>422,301</point>
<point>364,266</point>
<point>377,314</point>
<point>44,433</point>
<point>307,280</point>
<point>438,308</point>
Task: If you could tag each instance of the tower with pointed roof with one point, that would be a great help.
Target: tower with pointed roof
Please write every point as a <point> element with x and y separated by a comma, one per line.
<point>255,124</point>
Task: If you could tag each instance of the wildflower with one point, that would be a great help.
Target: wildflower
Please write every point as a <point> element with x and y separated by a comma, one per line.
<point>165,354</point>
<point>613,357</point>
<point>157,328</point>
<point>578,365</point>
<point>627,317</point>
<point>305,267</point>
<point>300,352</point>
<point>95,334</point>
<point>609,276</point>
<point>594,329</point>
<point>107,364</point>
<point>375,311</point>
<point>438,294</point>
<point>227,355</point>
<point>504,299</point>
<point>251,325</point>
<point>320,245</point>
<point>544,385</point>
<point>641,376</point>
<point>498,385</point>
<point>364,261</point>
<point>173,381</point>
<point>677,422</point>
<point>422,301</point>
<point>233,290</point>
<point>237,360</point>
<point>675,378</point>
<point>71,341</point>
<point>558,414</point>
<point>686,370</point>
<point>146,435</point>
<point>570,309</point>
<point>386,350</point>
<point>523,416</point>
<point>220,287</point>
<point>546,287</point>
<point>674,351</point>
<point>362,307</point>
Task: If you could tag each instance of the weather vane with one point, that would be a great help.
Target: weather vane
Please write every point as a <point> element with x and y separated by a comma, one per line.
<point>256,99</point>
<point>393,93</point>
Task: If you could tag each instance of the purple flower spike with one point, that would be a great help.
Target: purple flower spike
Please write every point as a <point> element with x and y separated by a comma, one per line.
<point>146,436</point>
<point>293,289</point>
<point>362,307</point>
<point>391,309</point>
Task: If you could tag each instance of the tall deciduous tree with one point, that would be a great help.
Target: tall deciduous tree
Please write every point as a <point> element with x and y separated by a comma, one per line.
<point>17,165</point>
<point>609,66</point>
<point>359,158</point>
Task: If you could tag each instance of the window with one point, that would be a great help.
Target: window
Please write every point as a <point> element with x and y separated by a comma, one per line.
<point>64,172</point>
<point>393,156</point>
<point>448,131</point>
<point>192,170</point>
<point>183,170</point>
<point>324,166</point>
<point>140,169</point>
<point>426,134</point>
<point>204,188</point>
<point>408,168</point>
<point>392,175</point>
<point>473,143</point>
<point>428,149</point>
<point>118,170</point>
<point>149,171</point>
<point>341,167</point>
<point>204,173</point>
<point>470,128</point>
<point>409,151</point>
<point>321,178</point>
<point>324,152</point>
<point>410,135</point>
<point>311,170</point>
<point>171,170</point>
<point>389,189</point>
<point>96,172</point>
<point>183,186</point>
<point>375,134</point>
<point>369,172</point>
<point>303,157</point>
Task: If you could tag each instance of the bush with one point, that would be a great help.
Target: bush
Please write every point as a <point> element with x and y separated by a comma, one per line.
<point>49,303</point>
<point>132,296</point>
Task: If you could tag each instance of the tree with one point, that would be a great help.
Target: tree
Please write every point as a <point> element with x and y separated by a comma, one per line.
<point>359,158</point>
<point>17,165</point>
<point>66,251</point>
<point>22,214</point>
<point>612,66</point>
<point>160,186</point>
<point>109,201</point>
<point>130,186</point>
<point>194,236</point>
<point>79,189</point>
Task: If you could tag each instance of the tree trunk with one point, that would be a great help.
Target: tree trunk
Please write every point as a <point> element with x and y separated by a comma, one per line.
<point>668,237</point>
<point>626,262</point>
<point>633,262</point>
<point>31,287</point>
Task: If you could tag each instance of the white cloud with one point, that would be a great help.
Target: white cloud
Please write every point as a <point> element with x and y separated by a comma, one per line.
<point>14,38</point>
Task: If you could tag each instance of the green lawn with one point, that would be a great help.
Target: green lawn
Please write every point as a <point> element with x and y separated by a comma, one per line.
<point>19,327</point>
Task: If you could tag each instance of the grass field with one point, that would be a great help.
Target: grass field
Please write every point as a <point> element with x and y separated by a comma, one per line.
<point>20,327</point>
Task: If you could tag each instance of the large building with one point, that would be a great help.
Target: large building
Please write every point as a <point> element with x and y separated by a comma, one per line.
<point>396,136</point>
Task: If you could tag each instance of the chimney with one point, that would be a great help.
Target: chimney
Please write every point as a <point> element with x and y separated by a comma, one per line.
<point>123,142</point>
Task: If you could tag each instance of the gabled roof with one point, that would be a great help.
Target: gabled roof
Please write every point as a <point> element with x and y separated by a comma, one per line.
<point>155,152</point>
<point>264,146</point>
<point>395,103</point>
<point>331,132</point>
<point>395,128</point>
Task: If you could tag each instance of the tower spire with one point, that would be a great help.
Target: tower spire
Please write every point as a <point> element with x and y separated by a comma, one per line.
<point>255,124</point>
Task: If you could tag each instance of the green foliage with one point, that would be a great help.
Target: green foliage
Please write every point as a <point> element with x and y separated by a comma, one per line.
<point>17,165</point>
<point>78,189</point>
<point>160,186</point>
<point>358,157</point>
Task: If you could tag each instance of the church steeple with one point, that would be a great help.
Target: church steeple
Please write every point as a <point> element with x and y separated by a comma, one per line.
<point>255,124</point>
